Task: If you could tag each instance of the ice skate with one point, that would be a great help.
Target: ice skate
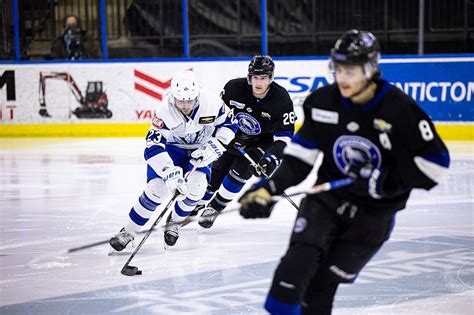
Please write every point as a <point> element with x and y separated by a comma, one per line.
<point>208,217</point>
<point>171,231</point>
<point>121,240</point>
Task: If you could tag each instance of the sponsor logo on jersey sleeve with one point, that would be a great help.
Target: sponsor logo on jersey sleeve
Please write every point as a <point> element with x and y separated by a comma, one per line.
<point>237,104</point>
<point>206,119</point>
<point>248,124</point>
<point>157,122</point>
<point>324,116</point>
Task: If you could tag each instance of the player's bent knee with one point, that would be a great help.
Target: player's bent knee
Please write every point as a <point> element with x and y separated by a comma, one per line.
<point>156,190</point>
<point>197,184</point>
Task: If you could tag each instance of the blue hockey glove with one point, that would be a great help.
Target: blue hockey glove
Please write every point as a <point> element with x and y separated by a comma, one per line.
<point>268,164</point>
<point>256,203</point>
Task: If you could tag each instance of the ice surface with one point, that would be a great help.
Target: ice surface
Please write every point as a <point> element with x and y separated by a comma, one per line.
<point>58,194</point>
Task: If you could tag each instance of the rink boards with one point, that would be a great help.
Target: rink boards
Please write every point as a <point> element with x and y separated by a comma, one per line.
<point>444,88</point>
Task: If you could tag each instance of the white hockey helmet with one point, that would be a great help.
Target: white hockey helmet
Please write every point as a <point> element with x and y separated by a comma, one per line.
<point>184,86</point>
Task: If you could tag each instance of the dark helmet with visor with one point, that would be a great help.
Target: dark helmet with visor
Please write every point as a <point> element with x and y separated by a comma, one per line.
<point>261,65</point>
<point>357,48</point>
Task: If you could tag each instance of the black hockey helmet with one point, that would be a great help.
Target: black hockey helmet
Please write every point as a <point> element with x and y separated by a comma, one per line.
<point>356,47</point>
<point>260,65</point>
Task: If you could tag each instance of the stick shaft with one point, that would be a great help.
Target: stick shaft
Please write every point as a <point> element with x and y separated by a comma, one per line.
<point>314,190</point>
<point>247,156</point>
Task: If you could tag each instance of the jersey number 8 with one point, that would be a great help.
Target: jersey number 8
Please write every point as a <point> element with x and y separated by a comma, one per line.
<point>425,129</point>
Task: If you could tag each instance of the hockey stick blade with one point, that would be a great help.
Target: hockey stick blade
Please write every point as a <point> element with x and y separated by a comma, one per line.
<point>130,271</point>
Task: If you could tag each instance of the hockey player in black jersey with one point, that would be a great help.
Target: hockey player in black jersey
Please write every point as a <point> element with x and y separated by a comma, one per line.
<point>367,129</point>
<point>264,111</point>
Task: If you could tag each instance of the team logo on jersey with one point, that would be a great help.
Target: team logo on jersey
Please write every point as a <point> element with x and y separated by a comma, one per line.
<point>352,126</point>
<point>354,149</point>
<point>248,124</point>
<point>325,116</point>
<point>157,122</point>
<point>382,125</point>
<point>237,104</point>
<point>207,119</point>
<point>266,115</point>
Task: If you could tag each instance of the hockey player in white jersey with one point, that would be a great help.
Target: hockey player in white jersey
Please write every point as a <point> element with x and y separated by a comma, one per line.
<point>185,130</point>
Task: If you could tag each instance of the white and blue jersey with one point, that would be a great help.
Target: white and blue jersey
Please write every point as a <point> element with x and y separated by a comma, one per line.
<point>173,136</point>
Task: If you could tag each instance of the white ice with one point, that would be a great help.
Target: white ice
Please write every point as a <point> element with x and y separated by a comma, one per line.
<point>58,194</point>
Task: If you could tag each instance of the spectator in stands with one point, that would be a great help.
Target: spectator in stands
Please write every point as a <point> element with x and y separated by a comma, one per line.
<point>73,43</point>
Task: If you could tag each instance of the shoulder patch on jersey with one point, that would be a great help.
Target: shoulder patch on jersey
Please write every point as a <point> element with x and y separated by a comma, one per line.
<point>207,119</point>
<point>266,115</point>
<point>325,116</point>
<point>237,104</point>
<point>157,122</point>
<point>382,125</point>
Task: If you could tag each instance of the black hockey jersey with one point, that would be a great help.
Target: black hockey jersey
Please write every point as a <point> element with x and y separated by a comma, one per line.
<point>391,132</point>
<point>261,119</point>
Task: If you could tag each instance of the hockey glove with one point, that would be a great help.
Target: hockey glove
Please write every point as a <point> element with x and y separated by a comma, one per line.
<point>256,203</point>
<point>267,164</point>
<point>374,180</point>
<point>208,153</point>
<point>173,177</point>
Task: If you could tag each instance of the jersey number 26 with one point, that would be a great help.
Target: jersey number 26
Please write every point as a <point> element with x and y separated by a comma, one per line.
<point>289,118</point>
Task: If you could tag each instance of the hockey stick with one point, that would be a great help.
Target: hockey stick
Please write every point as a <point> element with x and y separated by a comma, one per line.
<point>327,186</point>
<point>128,270</point>
<point>247,156</point>
<point>314,190</point>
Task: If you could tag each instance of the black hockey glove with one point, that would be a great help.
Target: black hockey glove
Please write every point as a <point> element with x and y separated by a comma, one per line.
<point>375,180</point>
<point>256,203</point>
<point>267,164</point>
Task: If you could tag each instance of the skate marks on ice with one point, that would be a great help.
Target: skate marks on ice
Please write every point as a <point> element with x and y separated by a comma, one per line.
<point>412,272</point>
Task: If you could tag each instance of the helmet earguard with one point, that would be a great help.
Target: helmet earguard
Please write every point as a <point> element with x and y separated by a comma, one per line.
<point>184,86</point>
<point>357,48</point>
<point>261,65</point>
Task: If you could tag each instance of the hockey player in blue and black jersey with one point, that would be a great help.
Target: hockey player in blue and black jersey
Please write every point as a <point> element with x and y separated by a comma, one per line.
<point>185,129</point>
<point>369,130</point>
<point>264,111</point>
